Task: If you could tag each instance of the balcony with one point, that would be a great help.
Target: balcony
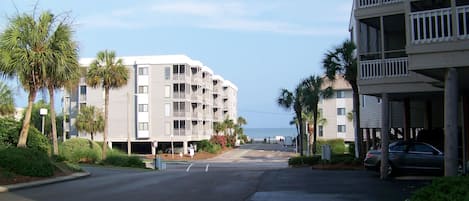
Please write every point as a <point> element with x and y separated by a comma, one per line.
<point>181,77</point>
<point>180,95</point>
<point>384,68</point>
<point>373,3</point>
<point>180,114</point>
<point>179,132</point>
<point>437,25</point>
<point>196,114</point>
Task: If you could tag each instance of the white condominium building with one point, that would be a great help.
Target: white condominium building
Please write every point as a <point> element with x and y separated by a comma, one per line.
<point>168,98</point>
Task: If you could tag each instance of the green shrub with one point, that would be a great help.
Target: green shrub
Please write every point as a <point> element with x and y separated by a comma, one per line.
<point>346,159</point>
<point>337,146</point>
<point>80,150</point>
<point>9,134</point>
<point>303,160</point>
<point>208,146</point>
<point>26,161</point>
<point>444,189</point>
<point>124,161</point>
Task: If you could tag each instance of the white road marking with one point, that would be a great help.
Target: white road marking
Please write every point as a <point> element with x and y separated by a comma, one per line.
<point>189,168</point>
<point>206,167</point>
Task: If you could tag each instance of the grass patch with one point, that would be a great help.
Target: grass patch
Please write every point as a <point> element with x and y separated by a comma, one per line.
<point>444,189</point>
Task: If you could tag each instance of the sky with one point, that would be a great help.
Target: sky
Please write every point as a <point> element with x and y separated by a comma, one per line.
<point>261,46</point>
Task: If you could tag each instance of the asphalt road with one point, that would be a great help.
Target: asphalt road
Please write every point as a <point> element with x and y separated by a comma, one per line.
<point>252,173</point>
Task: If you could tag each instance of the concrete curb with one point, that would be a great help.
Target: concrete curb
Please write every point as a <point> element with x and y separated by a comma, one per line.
<point>12,187</point>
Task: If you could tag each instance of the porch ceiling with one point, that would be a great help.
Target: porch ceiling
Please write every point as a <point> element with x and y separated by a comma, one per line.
<point>439,74</point>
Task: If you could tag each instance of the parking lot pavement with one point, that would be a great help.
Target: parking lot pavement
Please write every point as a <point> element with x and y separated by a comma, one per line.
<point>307,184</point>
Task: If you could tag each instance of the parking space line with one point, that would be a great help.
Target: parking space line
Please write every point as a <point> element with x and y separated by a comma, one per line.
<point>206,167</point>
<point>189,168</point>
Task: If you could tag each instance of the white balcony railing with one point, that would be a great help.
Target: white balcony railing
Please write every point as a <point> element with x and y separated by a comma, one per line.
<point>431,26</point>
<point>463,22</point>
<point>384,68</point>
<point>371,3</point>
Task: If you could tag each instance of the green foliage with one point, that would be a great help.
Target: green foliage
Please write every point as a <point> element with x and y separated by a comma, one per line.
<point>26,161</point>
<point>117,158</point>
<point>80,150</point>
<point>7,102</point>
<point>9,134</point>
<point>208,146</point>
<point>303,160</point>
<point>90,120</point>
<point>345,159</point>
<point>337,146</point>
<point>220,140</point>
<point>444,189</point>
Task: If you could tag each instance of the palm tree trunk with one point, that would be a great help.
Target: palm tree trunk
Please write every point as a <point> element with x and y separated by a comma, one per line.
<point>27,120</point>
<point>106,115</point>
<point>315,119</point>
<point>302,132</point>
<point>52,120</point>
<point>92,136</point>
<point>356,121</point>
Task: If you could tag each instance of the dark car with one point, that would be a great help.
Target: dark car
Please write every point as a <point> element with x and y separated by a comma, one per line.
<point>408,156</point>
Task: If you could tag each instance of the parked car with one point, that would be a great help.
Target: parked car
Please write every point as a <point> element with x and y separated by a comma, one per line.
<point>408,156</point>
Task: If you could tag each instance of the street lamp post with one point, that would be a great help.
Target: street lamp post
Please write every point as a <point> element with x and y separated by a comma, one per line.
<point>43,113</point>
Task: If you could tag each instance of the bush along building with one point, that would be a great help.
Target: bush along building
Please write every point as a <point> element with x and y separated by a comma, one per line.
<point>168,98</point>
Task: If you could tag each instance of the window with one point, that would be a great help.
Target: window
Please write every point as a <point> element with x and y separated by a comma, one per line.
<point>167,91</point>
<point>179,106</point>
<point>340,94</point>
<point>340,111</point>
<point>179,124</point>
<point>143,89</point>
<point>143,107</point>
<point>421,148</point>
<point>143,71</point>
<point>378,99</point>
<point>142,126</point>
<point>167,109</point>
<point>321,131</point>
<point>167,73</point>
<point>341,128</point>
<point>363,97</point>
<point>175,69</point>
<point>83,90</point>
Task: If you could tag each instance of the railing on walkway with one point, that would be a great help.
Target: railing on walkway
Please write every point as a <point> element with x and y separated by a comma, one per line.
<point>371,3</point>
<point>382,68</point>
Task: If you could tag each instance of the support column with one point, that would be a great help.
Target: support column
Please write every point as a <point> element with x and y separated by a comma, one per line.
<point>451,122</point>
<point>368,138</point>
<point>373,135</point>
<point>428,116</point>
<point>184,147</point>
<point>384,136</point>
<point>465,133</point>
<point>406,119</point>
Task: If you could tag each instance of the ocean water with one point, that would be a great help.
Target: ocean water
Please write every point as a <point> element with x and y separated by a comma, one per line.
<point>261,133</point>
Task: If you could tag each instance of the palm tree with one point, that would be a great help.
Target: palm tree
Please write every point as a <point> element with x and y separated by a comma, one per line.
<point>90,120</point>
<point>315,90</point>
<point>217,127</point>
<point>295,122</point>
<point>310,120</point>
<point>64,71</point>
<point>342,61</point>
<point>29,46</point>
<point>295,100</point>
<point>228,125</point>
<point>107,72</point>
<point>7,103</point>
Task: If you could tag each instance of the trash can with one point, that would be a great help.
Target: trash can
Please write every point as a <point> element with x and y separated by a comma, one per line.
<point>326,152</point>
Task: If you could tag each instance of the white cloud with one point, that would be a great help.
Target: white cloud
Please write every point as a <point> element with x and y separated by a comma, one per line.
<point>226,15</point>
